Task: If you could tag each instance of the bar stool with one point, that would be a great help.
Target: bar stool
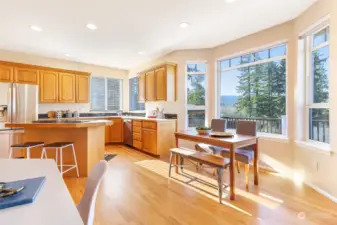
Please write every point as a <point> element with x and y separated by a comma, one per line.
<point>25,145</point>
<point>60,146</point>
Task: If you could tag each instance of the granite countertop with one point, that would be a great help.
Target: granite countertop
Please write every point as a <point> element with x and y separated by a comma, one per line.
<point>60,124</point>
<point>112,117</point>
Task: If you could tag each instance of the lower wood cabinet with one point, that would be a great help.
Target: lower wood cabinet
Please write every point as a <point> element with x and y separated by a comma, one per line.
<point>154,137</point>
<point>149,141</point>
<point>114,132</point>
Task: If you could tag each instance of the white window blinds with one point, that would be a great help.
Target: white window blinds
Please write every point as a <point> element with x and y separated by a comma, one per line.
<point>106,94</point>
<point>97,93</point>
<point>114,94</point>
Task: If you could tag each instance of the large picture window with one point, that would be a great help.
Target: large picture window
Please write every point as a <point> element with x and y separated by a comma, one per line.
<point>253,87</point>
<point>196,95</point>
<point>317,85</point>
<point>105,94</point>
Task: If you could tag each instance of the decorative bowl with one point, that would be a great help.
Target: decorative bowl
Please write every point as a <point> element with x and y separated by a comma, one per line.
<point>204,131</point>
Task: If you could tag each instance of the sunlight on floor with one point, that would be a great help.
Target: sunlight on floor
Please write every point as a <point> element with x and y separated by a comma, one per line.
<point>207,188</point>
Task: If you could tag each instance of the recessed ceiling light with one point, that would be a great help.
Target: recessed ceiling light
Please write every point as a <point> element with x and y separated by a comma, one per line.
<point>36,28</point>
<point>68,55</point>
<point>141,53</point>
<point>184,24</point>
<point>91,26</point>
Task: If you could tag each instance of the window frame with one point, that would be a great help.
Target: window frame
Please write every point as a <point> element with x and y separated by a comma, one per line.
<point>309,102</point>
<point>196,107</point>
<point>106,94</point>
<point>140,110</point>
<point>248,52</point>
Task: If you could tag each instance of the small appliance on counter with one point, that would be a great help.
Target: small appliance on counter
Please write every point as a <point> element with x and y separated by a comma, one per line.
<point>151,113</point>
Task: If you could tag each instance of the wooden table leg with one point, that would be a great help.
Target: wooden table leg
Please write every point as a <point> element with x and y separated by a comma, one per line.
<point>256,164</point>
<point>232,173</point>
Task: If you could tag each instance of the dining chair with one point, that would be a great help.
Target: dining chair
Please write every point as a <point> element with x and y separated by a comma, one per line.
<point>217,125</point>
<point>86,207</point>
<point>243,155</point>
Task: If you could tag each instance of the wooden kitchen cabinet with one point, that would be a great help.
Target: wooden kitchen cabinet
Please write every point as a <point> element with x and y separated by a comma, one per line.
<point>48,86</point>
<point>114,132</point>
<point>149,140</point>
<point>82,88</point>
<point>150,91</point>
<point>66,88</point>
<point>141,88</point>
<point>154,137</point>
<point>24,75</point>
<point>6,73</point>
<point>160,83</point>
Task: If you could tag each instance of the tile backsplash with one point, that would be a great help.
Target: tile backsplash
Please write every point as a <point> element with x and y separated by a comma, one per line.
<point>80,107</point>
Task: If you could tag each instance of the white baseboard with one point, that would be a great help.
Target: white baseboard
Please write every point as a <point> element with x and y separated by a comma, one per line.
<point>322,192</point>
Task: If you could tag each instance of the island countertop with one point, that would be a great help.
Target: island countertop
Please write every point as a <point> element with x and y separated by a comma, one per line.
<point>61,124</point>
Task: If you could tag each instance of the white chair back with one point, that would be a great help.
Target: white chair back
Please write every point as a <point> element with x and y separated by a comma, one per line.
<point>86,207</point>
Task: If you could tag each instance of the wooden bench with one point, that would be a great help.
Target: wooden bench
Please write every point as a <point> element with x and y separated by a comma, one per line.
<point>210,160</point>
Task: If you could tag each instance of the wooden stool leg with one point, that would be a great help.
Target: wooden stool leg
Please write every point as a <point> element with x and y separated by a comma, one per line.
<point>182,163</point>
<point>247,176</point>
<point>220,172</point>
<point>238,166</point>
<point>171,156</point>
<point>214,171</point>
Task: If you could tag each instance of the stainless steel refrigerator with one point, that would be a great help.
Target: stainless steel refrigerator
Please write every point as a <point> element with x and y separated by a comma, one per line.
<point>21,103</point>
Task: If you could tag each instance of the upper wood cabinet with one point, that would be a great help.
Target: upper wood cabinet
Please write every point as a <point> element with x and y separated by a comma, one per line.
<point>160,83</point>
<point>55,85</point>
<point>82,88</point>
<point>67,87</point>
<point>48,87</point>
<point>141,88</point>
<point>6,73</point>
<point>150,92</point>
<point>26,75</point>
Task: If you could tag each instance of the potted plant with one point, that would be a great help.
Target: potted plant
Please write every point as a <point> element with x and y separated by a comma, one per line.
<point>204,130</point>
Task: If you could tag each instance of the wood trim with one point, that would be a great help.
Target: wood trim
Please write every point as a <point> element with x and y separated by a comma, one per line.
<point>30,66</point>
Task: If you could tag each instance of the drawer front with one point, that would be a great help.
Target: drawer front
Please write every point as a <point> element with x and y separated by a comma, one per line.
<point>137,144</point>
<point>137,136</point>
<point>137,129</point>
<point>150,125</point>
<point>137,123</point>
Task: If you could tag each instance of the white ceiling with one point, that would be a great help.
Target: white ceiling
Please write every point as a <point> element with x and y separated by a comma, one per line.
<point>126,27</point>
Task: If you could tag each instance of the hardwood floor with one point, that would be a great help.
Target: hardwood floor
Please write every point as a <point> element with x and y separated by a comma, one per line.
<point>137,190</point>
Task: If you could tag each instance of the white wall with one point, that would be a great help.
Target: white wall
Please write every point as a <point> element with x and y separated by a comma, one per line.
<point>70,65</point>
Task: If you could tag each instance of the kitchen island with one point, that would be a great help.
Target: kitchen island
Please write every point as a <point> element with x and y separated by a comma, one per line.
<point>88,137</point>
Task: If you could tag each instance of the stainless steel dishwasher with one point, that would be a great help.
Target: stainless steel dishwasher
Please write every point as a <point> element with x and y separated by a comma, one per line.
<point>128,132</point>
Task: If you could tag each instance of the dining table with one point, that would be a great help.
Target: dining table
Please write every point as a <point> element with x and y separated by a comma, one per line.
<point>53,204</point>
<point>232,142</point>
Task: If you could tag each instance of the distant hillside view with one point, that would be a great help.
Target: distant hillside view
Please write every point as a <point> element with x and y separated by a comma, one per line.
<point>228,106</point>
<point>228,100</point>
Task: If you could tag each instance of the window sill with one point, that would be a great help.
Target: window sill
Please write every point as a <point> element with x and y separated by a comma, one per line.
<point>268,137</point>
<point>273,137</point>
<point>317,147</point>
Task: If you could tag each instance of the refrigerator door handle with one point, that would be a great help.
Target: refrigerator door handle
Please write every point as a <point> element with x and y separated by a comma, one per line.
<point>9,103</point>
